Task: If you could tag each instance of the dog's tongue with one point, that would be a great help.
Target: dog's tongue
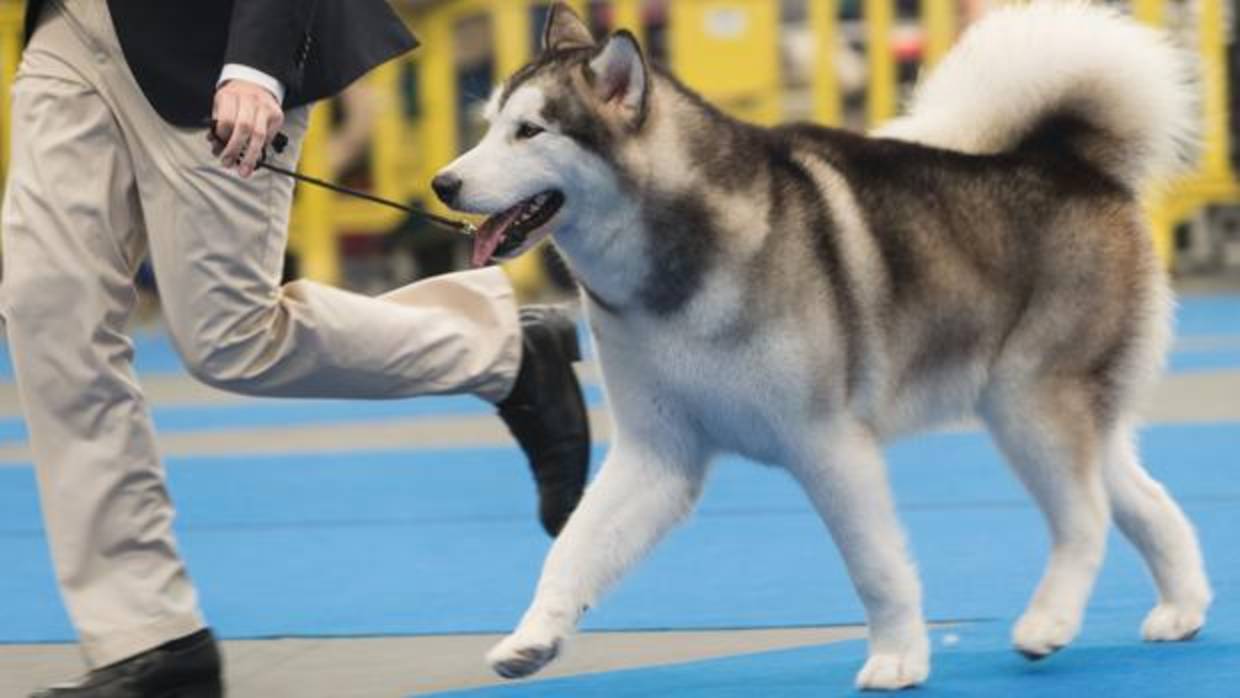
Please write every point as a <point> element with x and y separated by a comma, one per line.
<point>490,234</point>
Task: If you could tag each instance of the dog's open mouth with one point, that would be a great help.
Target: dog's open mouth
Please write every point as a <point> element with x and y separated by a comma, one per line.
<point>507,233</point>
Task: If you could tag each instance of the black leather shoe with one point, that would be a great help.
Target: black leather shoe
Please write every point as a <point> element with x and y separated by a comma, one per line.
<point>546,412</point>
<point>186,668</point>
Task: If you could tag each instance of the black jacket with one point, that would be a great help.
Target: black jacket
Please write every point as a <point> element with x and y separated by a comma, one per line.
<point>177,48</point>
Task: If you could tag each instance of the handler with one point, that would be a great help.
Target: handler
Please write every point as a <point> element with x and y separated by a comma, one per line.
<point>111,163</point>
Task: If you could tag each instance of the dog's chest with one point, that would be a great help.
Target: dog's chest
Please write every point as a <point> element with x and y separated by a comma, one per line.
<point>739,401</point>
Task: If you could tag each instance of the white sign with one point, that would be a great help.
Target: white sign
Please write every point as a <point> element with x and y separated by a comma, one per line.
<point>726,23</point>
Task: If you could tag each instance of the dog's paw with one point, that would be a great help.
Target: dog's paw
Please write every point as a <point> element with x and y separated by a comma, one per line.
<point>1172,623</point>
<point>892,672</point>
<point>1039,634</point>
<point>522,654</point>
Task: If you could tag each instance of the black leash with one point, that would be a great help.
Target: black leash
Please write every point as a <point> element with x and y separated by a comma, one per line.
<point>281,142</point>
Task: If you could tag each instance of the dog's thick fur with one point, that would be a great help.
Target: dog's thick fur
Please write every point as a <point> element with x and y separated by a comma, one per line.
<point>799,294</point>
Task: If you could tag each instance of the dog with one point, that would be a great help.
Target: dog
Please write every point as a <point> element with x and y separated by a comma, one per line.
<point>798,295</point>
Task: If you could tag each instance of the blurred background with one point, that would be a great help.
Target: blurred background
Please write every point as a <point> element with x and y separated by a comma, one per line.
<point>410,524</point>
<point>841,62</point>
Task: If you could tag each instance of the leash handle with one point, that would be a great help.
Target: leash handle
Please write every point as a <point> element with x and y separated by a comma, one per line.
<point>280,143</point>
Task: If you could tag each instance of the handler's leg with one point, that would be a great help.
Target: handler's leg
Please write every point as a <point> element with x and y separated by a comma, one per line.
<point>217,244</point>
<point>71,246</point>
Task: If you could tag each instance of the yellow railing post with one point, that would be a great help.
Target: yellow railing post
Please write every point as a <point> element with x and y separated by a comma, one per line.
<point>1213,180</point>
<point>1152,12</point>
<point>385,141</point>
<point>1158,214</point>
<point>10,54</point>
<point>388,156</point>
<point>438,110</point>
<point>1215,163</point>
<point>510,24</point>
<point>316,241</point>
<point>628,15</point>
<point>881,102</point>
<point>939,21</point>
<point>825,85</point>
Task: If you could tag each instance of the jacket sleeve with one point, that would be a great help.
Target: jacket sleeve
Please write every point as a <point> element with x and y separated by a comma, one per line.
<point>272,36</point>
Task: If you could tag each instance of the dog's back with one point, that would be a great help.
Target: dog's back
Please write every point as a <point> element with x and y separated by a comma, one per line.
<point>968,265</point>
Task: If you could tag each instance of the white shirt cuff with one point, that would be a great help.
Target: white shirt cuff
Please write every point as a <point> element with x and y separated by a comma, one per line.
<point>235,71</point>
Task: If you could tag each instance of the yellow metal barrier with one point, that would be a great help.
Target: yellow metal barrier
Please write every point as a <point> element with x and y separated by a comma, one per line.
<point>1214,181</point>
<point>939,21</point>
<point>728,50</point>
<point>825,86</point>
<point>1215,164</point>
<point>1150,11</point>
<point>11,15</point>
<point>628,15</point>
<point>879,21</point>
<point>314,232</point>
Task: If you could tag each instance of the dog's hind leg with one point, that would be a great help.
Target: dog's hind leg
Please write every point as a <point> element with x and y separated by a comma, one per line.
<point>1151,520</point>
<point>642,491</point>
<point>1050,432</point>
<point>846,479</point>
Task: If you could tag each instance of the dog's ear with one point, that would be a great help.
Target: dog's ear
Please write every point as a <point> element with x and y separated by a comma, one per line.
<point>565,29</point>
<point>620,78</point>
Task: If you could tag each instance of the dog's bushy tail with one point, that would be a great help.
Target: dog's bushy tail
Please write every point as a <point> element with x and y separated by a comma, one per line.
<point>1061,75</point>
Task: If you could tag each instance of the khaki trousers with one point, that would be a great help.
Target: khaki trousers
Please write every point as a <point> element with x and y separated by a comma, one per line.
<point>97,183</point>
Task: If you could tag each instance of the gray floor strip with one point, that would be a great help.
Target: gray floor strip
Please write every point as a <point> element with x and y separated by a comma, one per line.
<point>407,666</point>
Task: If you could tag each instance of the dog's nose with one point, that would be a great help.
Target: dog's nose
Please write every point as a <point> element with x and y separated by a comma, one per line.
<point>447,187</point>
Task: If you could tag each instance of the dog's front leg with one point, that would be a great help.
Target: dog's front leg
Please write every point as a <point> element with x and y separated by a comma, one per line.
<point>843,472</point>
<point>639,494</point>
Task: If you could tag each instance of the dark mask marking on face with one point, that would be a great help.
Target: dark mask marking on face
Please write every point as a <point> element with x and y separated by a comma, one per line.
<point>565,109</point>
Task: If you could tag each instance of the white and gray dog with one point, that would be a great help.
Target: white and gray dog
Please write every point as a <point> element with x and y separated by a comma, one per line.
<point>799,294</point>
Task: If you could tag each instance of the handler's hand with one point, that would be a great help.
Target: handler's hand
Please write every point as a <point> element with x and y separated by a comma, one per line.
<point>247,118</point>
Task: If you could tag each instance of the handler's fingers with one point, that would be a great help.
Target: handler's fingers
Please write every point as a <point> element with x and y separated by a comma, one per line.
<point>224,114</point>
<point>254,149</point>
<point>241,132</point>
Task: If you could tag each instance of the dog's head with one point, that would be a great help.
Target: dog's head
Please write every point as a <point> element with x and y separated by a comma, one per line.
<point>547,163</point>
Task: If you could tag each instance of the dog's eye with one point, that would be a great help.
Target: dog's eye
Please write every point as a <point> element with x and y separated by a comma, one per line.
<point>527,130</point>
